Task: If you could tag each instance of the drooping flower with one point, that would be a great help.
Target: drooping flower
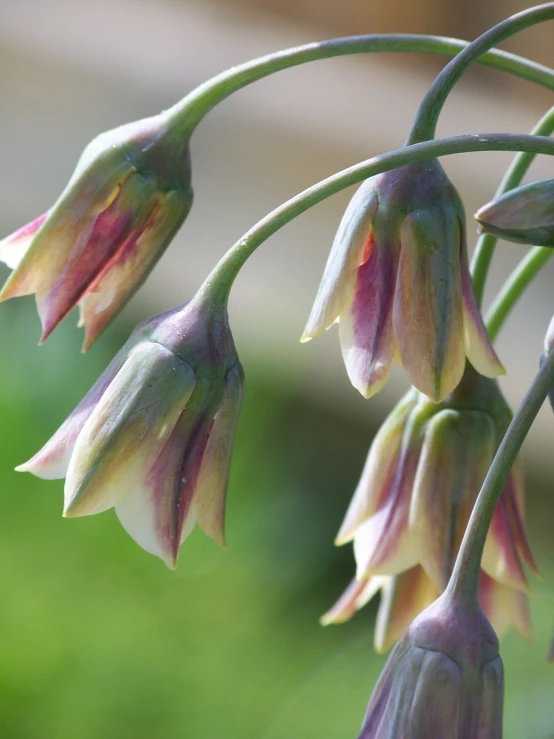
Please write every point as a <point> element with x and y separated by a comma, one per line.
<point>153,437</point>
<point>406,595</point>
<point>408,515</point>
<point>524,215</point>
<point>398,282</point>
<point>443,680</point>
<point>125,202</point>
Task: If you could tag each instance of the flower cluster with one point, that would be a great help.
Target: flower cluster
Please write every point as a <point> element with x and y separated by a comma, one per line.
<point>412,504</point>
<point>435,532</point>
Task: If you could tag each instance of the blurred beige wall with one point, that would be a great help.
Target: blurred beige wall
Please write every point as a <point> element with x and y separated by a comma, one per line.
<point>66,73</point>
<point>462,18</point>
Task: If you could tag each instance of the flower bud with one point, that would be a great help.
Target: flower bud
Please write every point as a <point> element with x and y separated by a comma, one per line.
<point>153,438</point>
<point>398,282</point>
<point>125,202</point>
<point>524,215</point>
<point>444,680</point>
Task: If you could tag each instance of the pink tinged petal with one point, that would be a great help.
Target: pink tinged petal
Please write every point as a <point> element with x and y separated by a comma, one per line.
<point>490,720</point>
<point>52,461</point>
<point>14,247</point>
<point>111,228</point>
<point>66,230</point>
<point>513,495</point>
<point>501,559</point>
<point>159,513</point>
<point>365,326</point>
<point>382,544</point>
<point>213,478</point>
<point>356,595</point>
<point>456,455</point>
<point>130,265</point>
<point>127,429</point>
<point>428,311</point>
<point>478,347</point>
<point>505,607</point>
<point>379,469</point>
<point>403,597</point>
<point>347,253</point>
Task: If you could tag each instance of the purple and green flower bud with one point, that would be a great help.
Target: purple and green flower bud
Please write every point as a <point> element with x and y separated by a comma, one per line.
<point>443,680</point>
<point>524,215</point>
<point>398,282</point>
<point>424,470</point>
<point>153,438</point>
<point>126,200</point>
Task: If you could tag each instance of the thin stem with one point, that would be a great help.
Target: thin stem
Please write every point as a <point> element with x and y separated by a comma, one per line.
<point>516,284</point>
<point>465,576</point>
<point>428,114</point>
<point>484,249</point>
<point>193,108</point>
<point>224,273</point>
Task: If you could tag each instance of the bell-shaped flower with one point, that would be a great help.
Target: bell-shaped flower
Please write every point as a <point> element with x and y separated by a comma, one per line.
<point>405,596</point>
<point>408,515</point>
<point>153,437</point>
<point>524,215</point>
<point>443,680</point>
<point>125,202</point>
<point>420,481</point>
<point>398,282</point>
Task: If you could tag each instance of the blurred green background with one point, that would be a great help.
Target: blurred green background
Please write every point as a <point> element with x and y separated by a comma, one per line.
<point>100,640</point>
<point>97,638</point>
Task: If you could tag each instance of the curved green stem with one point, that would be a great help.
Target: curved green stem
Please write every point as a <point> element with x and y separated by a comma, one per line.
<point>427,116</point>
<point>222,276</point>
<point>465,575</point>
<point>192,109</point>
<point>484,249</point>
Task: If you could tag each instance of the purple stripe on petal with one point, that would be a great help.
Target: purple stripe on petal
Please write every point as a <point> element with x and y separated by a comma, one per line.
<point>501,558</point>
<point>365,327</point>
<point>109,230</point>
<point>14,247</point>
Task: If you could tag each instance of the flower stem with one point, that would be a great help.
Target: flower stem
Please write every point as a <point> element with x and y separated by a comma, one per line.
<point>484,249</point>
<point>194,107</point>
<point>427,116</point>
<point>224,273</point>
<point>465,576</point>
<point>515,285</point>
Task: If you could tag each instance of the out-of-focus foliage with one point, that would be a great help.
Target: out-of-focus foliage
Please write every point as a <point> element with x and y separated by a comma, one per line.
<point>98,639</point>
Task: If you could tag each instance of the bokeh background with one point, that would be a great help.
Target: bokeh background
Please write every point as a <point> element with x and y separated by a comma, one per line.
<point>97,638</point>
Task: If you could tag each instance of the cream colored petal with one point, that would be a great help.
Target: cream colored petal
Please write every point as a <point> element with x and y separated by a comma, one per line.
<point>213,478</point>
<point>356,595</point>
<point>428,309</point>
<point>159,512</point>
<point>345,257</point>
<point>365,327</point>
<point>379,469</point>
<point>127,430</point>
<point>131,264</point>
<point>403,597</point>
<point>52,461</point>
<point>457,451</point>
